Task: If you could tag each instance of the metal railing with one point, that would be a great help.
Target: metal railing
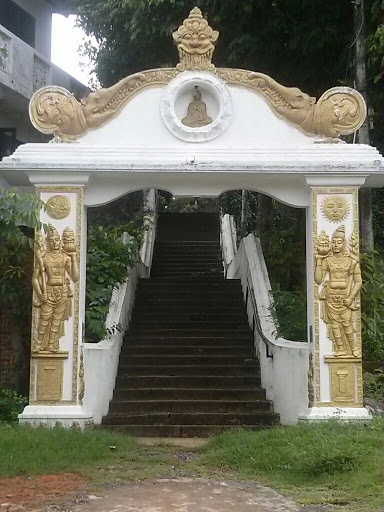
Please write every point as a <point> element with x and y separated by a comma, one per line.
<point>256,324</point>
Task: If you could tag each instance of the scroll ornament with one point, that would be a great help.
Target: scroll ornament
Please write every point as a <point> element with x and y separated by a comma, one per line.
<point>338,275</point>
<point>55,267</point>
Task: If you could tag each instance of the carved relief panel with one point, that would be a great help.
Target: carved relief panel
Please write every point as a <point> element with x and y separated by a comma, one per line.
<point>41,73</point>
<point>5,52</point>
<point>55,326</point>
<point>337,284</point>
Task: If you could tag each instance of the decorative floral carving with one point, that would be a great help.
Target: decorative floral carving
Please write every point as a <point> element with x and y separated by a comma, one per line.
<point>40,73</point>
<point>58,207</point>
<point>195,41</point>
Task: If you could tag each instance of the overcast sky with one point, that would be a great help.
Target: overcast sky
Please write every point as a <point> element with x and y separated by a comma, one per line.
<point>66,39</point>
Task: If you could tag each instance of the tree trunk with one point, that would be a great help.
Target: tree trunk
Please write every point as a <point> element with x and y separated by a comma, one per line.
<point>365,195</point>
<point>244,211</point>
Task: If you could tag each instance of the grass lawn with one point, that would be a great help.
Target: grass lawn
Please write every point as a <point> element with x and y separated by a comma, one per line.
<point>324,463</point>
<point>328,463</point>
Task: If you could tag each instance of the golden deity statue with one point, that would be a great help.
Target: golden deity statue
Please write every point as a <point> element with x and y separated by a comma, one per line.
<point>338,271</point>
<point>197,112</point>
<point>55,267</point>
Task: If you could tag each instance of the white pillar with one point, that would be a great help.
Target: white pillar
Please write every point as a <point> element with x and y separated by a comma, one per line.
<point>56,383</point>
<point>335,387</point>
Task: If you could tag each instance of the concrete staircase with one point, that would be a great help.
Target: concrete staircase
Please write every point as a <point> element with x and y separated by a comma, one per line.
<point>187,367</point>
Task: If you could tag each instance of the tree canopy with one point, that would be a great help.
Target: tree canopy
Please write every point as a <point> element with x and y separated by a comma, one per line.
<point>299,43</point>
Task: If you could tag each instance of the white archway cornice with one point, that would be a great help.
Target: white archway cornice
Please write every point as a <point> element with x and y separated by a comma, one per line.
<point>281,172</point>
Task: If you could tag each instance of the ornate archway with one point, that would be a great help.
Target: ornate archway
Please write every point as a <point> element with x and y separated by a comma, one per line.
<point>197,131</point>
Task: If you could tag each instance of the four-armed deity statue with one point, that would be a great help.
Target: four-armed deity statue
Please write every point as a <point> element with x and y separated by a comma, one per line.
<point>55,267</point>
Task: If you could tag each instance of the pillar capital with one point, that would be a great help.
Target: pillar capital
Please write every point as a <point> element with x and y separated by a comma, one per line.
<point>53,178</point>
<point>327,181</point>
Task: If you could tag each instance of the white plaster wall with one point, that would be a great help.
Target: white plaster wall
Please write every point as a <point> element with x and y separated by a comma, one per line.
<point>139,124</point>
<point>101,360</point>
<point>284,376</point>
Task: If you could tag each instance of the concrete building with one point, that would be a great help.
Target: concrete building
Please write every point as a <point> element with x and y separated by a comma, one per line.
<point>25,66</point>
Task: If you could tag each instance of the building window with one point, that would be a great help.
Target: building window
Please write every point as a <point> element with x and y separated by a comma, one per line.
<point>17,21</point>
<point>8,142</point>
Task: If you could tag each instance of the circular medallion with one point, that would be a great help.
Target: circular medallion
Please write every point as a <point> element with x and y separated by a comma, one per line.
<point>335,208</point>
<point>58,207</point>
<point>196,106</point>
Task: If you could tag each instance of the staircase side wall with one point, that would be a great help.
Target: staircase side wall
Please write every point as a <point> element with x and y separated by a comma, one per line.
<point>284,375</point>
<point>101,360</point>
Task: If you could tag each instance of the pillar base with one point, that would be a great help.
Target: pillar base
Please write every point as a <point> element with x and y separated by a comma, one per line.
<point>336,413</point>
<point>51,415</point>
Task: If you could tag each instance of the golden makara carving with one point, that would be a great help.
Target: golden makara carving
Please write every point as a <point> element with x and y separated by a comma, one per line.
<point>55,267</point>
<point>195,41</point>
<point>55,110</point>
<point>58,207</point>
<point>335,208</point>
<point>197,112</point>
<point>339,111</point>
<point>337,271</point>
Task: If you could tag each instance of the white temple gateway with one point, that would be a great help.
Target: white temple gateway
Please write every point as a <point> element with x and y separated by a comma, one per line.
<point>197,130</point>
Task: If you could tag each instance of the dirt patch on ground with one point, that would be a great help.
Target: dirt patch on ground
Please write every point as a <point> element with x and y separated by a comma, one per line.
<point>28,491</point>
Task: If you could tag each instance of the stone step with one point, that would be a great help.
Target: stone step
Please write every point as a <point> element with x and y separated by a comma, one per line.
<point>189,316</point>
<point>190,370</point>
<point>194,333</point>
<point>186,431</point>
<point>192,283</point>
<point>182,381</point>
<point>186,350</point>
<point>205,325</point>
<point>206,418</point>
<point>180,359</point>
<point>142,308</point>
<point>188,406</point>
<point>174,274</point>
<point>187,302</point>
<point>187,265</point>
<point>144,394</point>
<point>245,341</point>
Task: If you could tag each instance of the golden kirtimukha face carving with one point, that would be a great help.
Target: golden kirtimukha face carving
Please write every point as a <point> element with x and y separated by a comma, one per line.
<point>195,42</point>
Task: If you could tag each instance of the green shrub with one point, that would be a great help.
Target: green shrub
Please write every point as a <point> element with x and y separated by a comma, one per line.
<point>108,263</point>
<point>372,306</point>
<point>291,312</point>
<point>11,404</point>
